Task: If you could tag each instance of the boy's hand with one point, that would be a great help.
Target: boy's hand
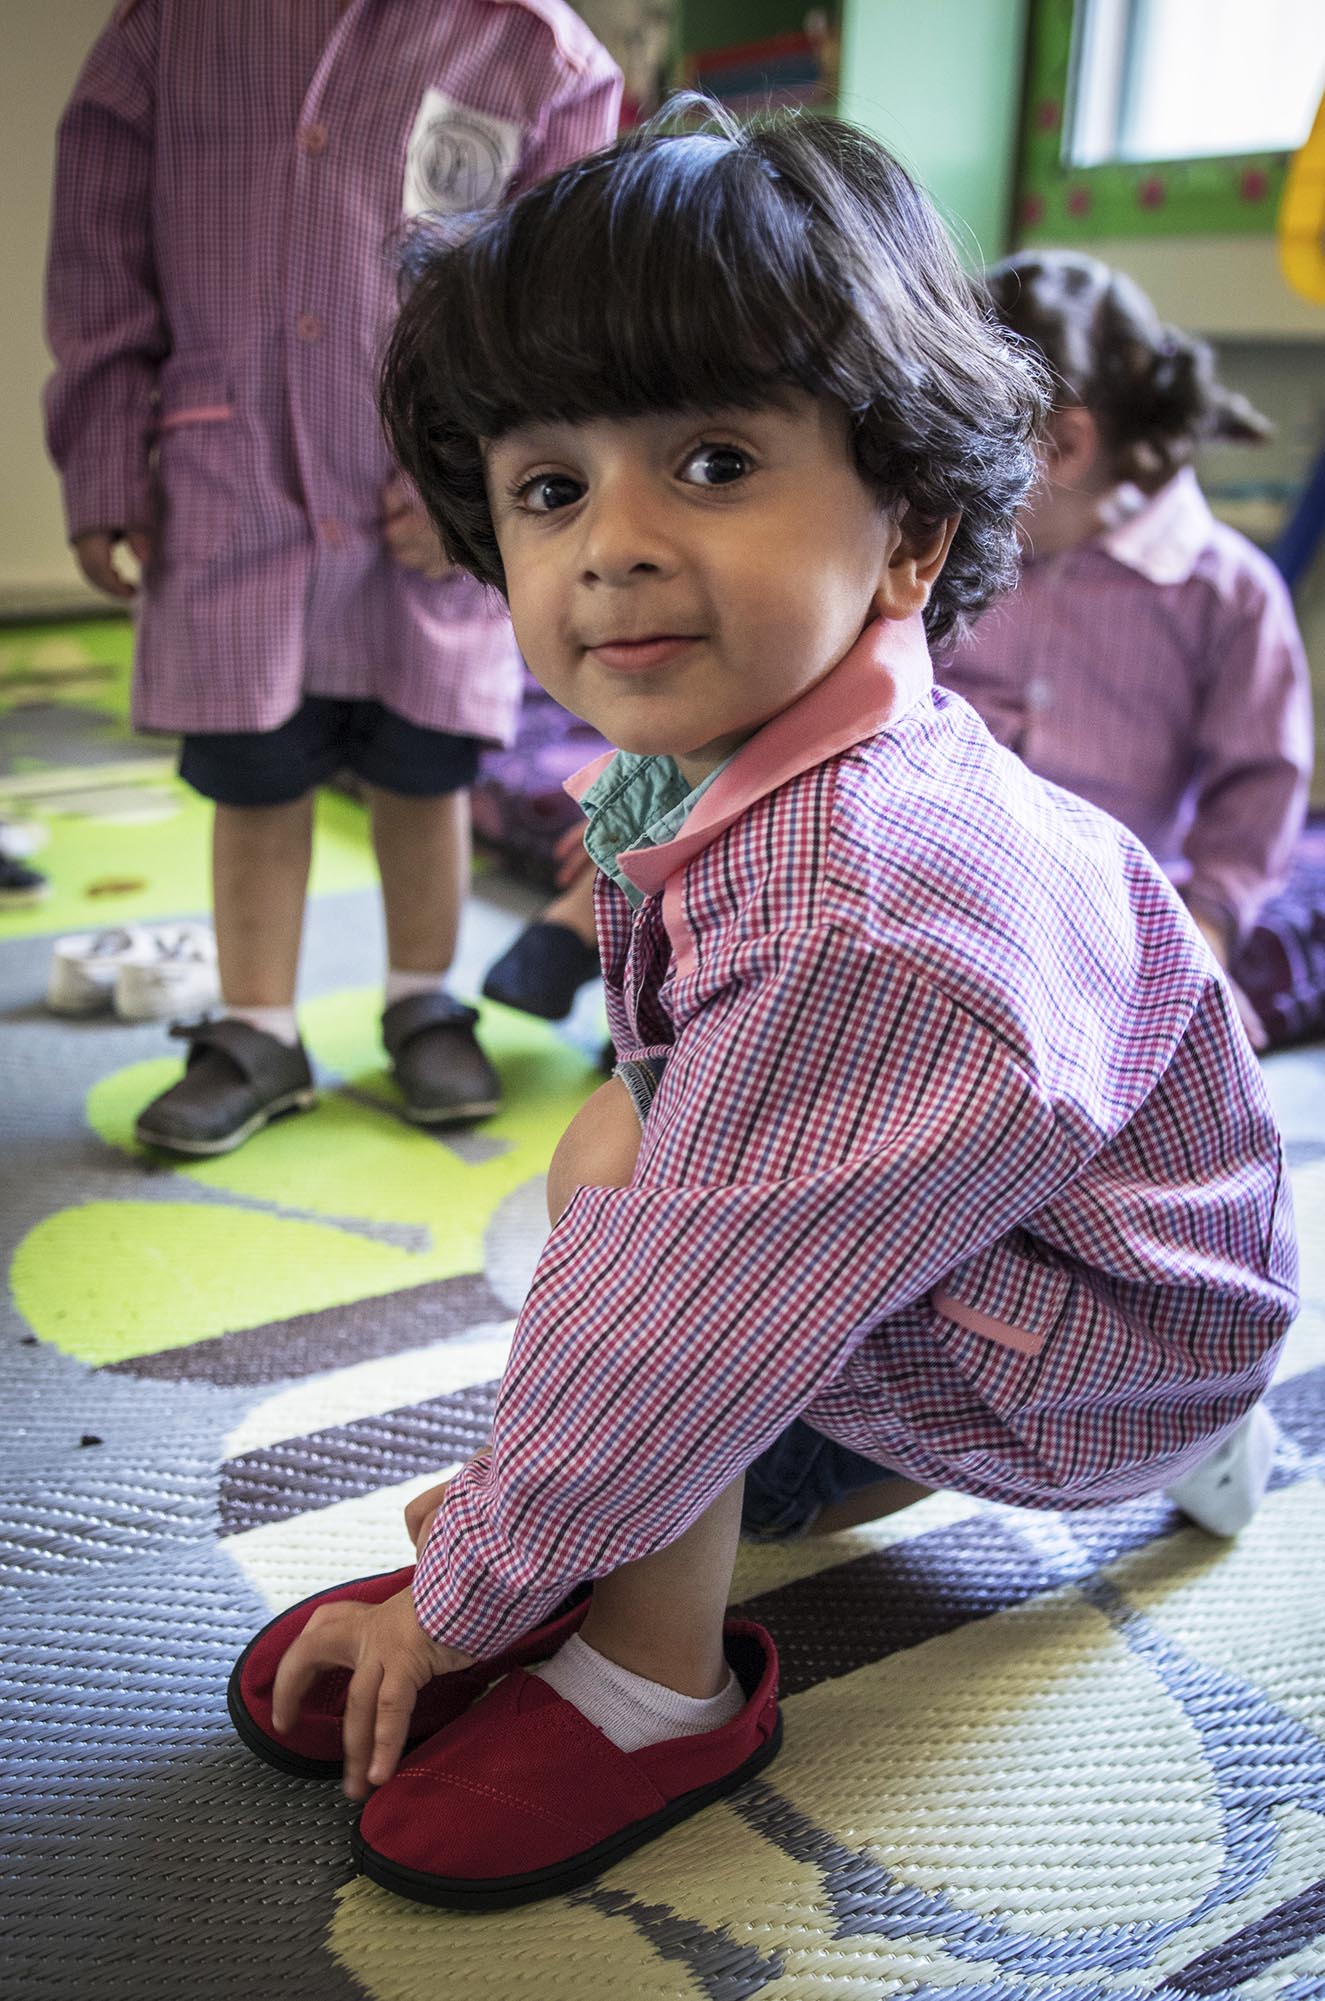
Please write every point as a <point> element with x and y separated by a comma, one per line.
<point>572,858</point>
<point>392,1658</point>
<point>409,534</point>
<point>95,554</point>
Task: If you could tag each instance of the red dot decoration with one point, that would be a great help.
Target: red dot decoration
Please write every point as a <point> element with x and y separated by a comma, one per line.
<point>1048,115</point>
<point>1032,210</point>
<point>1152,193</point>
<point>1255,184</point>
<point>1078,201</point>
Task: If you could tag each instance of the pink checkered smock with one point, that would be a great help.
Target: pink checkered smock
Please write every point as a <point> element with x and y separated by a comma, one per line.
<point>960,1153</point>
<point>1158,671</point>
<point>232,178</point>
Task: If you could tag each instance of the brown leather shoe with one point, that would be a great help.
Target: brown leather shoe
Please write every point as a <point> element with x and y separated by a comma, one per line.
<point>443,1075</point>
<point>236,1080</point>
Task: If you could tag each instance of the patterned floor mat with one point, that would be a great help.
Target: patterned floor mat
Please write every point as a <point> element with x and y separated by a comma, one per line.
<point>1027,1758</point>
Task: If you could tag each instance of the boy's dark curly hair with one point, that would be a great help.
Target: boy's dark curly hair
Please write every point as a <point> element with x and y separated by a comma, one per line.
<point>710,268</point>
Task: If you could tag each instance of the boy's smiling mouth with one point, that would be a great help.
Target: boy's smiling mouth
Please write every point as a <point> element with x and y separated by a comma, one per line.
<point>639,656</point>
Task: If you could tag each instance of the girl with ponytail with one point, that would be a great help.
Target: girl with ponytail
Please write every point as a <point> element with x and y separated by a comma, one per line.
<point>1150,660</point>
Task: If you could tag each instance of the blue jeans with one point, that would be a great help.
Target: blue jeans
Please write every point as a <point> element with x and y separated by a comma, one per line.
<point>800,1473</point>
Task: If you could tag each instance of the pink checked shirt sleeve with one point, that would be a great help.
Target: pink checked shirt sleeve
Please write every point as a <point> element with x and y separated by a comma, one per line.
<point>675,1328</point>
<point>105,321</point>
<point>1254,743</point>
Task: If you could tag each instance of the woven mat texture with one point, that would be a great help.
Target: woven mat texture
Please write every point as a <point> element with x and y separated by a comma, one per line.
<point>1027,1758</point>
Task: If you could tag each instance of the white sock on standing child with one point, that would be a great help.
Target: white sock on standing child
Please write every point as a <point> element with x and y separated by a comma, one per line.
<point>277,1021</point>
<point>404,986</point>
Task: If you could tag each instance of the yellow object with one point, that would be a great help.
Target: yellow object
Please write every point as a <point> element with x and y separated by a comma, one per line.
<point>1302,217</point>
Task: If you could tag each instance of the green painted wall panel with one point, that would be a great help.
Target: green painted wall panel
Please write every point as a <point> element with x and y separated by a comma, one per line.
<point>939,81</point>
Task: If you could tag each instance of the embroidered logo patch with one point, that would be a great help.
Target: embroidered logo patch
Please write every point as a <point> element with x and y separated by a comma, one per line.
<point>458,159</point>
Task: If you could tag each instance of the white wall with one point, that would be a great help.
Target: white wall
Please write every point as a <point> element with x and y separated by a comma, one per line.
<point>42,45</point>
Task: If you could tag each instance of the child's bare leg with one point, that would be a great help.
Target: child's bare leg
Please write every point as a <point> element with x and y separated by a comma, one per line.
<point>868,1504</point>
<point>260,861</point>
<point>662,1616</point>
<point>598,1148</point>
<point>423,857</point>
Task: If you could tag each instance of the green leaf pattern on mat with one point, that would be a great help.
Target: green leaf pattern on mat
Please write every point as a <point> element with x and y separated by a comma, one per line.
<point>380,1205</point>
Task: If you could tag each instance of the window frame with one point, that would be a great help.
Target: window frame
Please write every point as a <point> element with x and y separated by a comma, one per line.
<point>1211,194</point>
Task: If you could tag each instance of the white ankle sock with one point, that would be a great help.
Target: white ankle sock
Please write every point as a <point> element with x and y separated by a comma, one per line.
<point>277,1021</point>
<point>404,986</point>
<point>629,1710</point>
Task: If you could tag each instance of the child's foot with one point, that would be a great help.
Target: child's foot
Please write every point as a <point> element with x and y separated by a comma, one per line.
<point>238,1079</point>
<point>313,1749</point>
<point>443,1075</point>
<point>1225,1490</point>
<point>522,1797</point>
<point>544,969</point>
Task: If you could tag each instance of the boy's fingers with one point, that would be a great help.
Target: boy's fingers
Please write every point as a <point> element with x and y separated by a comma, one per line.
<point>358,1727</point>
<point>395,1706</point>
<point>321,1645</point>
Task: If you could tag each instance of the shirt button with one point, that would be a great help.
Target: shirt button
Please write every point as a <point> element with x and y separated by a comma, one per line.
<point>308,326</point>
<point>313,138</point>
<point>332,533</point>
<point>1040,694</point>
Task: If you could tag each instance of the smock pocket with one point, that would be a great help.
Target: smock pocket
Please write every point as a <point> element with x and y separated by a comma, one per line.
<point>195,463</point>
<point>1014,1295</point>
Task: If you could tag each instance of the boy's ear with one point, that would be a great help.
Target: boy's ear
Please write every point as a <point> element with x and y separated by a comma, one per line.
<point>913,565</point>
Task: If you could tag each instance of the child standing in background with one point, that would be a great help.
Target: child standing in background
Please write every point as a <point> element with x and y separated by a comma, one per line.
<point>1149,659</point>
<point>935,1140</point>
<point>230,184</point>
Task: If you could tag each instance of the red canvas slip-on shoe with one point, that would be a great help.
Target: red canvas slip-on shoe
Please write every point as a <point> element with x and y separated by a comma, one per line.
<point>313,1750</point>
<point>522,1797</point>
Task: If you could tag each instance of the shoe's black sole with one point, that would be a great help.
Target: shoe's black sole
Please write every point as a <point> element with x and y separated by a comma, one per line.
<point>501,1893</point>
<point>208,1149</point>
<point>453,1115</point>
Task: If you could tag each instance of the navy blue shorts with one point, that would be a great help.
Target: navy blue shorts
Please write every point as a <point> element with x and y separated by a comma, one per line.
<point>323,737</point>
<point>799,1474</point>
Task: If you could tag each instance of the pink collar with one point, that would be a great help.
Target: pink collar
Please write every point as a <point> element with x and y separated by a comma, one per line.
<point>1163,540</point>
<point>884,675</point>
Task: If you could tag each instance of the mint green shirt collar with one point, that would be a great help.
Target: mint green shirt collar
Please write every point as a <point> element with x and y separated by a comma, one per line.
<point>641,800</point>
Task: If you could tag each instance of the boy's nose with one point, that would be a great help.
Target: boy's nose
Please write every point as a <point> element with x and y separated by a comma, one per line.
<point>624,538</point>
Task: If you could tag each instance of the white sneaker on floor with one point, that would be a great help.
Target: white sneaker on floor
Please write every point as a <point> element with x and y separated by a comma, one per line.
<point>174,975</point>
<point>21,839</point>
<point>85,966</point>
<point>1225,1490</point>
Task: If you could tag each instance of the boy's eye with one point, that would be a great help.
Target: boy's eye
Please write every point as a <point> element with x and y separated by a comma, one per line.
<point>715,465</point>
<point>549,491</point>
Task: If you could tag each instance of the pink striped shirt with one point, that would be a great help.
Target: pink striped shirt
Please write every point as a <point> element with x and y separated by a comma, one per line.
<point>232,177</point>
<point>1158,672</point>
<point>959,1152</point>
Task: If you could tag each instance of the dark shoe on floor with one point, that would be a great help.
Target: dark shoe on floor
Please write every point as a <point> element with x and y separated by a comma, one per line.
<point>443,1075</point>
<point>543,971</point>
<point>21,885</point>
<point>313,1749</point>
<point>522,1797</point>
<point>237,1080</point>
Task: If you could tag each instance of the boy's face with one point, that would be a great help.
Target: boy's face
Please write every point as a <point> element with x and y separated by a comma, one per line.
<point>677,579</point>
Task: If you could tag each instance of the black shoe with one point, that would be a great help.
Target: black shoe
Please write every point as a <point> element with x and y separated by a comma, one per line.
<point>237,1080</point>
<point>443,1075</point>
<point>21,885</point>
<point>543,970</point>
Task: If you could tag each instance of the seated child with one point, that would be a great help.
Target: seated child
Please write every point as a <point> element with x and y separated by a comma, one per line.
<point>1149,659</point>
<point>954,1157</point>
